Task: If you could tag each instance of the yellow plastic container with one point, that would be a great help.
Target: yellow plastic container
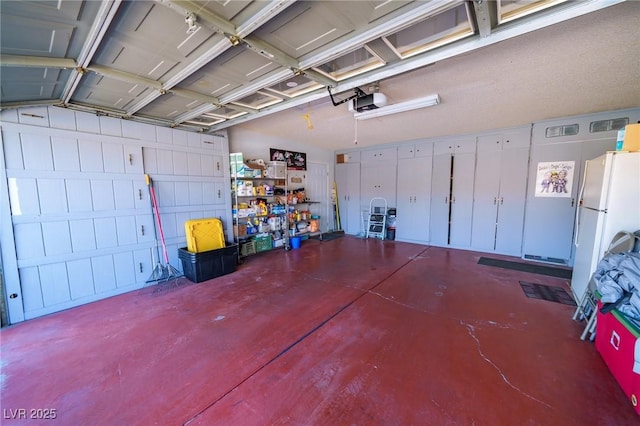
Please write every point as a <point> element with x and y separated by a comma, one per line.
<point>204,234</point>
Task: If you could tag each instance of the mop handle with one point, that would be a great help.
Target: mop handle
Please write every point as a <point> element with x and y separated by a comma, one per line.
<point>155,209</point>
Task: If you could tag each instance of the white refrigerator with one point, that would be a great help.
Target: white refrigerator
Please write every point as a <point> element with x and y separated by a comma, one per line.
<point>609,203</point>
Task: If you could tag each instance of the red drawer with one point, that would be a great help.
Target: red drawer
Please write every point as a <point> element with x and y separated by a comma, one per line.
<point>616,343</point>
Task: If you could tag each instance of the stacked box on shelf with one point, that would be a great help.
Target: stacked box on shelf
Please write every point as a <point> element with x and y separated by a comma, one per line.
<point>248,248</point>
<point>236,163</point>
<point>276,169</point>
<point>277,209</point>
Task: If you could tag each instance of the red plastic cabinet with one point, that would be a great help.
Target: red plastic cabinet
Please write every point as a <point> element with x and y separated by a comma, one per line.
<point>618,342</point>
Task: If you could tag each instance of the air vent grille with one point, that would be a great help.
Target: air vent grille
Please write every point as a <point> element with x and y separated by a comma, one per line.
<point>566,130</point>
<point>608,125</point>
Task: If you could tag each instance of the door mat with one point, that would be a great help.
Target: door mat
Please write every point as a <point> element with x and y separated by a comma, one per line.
<point>328,236</point>
<point>526,267</point>
<point>547,292</point>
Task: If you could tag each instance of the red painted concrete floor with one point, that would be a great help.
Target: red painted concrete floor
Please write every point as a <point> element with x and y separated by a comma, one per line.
<point>341,332</point>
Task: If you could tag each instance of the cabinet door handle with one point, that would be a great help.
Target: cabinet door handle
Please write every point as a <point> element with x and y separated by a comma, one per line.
<point>446,200</point>
<point>217,166</point>
<point>131,159</point>
<point>141,229</point>
<point>572,202</point>
<point>495,201</point>
<point>140,194</point>
<point>219,194</point>
<point>501,200</point>
<point>453,200</point>
<point>140,266</point>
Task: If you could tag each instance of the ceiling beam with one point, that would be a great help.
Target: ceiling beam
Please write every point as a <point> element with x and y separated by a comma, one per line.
<point>190,94</point>
<point>36,62</point>
<point>99,28</point>
<point>126,77</point>
<point>483,17</point>
<point>22,104</point>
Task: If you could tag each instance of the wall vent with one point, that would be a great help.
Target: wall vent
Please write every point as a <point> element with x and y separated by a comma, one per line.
<point>566,130</point>
<point>608,125</point>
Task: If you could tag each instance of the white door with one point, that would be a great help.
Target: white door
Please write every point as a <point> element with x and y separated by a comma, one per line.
<point>317,187</point>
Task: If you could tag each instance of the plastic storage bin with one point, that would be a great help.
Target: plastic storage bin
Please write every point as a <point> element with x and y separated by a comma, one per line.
<point>204,234</point>
<point>618,342</point>
<point>210,264</point>
<point>263,243</point>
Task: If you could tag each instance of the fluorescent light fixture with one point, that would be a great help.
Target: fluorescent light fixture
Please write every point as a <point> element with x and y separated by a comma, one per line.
<point>399,107</point>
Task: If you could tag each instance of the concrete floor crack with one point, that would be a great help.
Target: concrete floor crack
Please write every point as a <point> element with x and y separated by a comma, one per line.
<point>470,329</point>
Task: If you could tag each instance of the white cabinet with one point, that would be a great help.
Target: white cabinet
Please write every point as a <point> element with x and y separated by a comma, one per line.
<point>378,181</point>
<point>348,187</point>
<point>411,150</point>
<point>452,192</point>
<point>499,193</point>
<point>414,194</point>
<point>381,154</point>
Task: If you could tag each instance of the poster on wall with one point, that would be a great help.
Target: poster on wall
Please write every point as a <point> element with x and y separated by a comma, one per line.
<point>554,179</point>
<point>295,160</point>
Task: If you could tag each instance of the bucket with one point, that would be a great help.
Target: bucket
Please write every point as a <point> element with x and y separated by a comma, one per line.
<point>391,233</point>
<point>295,243</point>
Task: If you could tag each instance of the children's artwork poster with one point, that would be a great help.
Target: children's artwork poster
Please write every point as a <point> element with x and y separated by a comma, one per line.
<point>555,179</point>
<point>295,160</point>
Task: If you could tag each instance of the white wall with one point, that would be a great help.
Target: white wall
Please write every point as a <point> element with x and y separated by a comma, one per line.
<point>256,145</point>
<point>77,222</point>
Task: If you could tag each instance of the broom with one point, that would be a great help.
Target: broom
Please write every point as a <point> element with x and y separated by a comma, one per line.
<point>161,272</point>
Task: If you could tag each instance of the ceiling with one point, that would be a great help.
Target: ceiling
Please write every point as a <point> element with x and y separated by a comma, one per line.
<point>266,66</point>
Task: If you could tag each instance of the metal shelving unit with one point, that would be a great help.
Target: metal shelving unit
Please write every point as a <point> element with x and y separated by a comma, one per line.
<point>249,240</point>
<point>309,203</point>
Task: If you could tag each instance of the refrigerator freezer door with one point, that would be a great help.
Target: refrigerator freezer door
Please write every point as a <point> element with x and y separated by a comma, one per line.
<point>594,194</point>
<point>587,250</point>
<point>623,198</point>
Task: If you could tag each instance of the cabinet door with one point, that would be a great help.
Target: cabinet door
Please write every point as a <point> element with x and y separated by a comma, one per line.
<point>462,199</point>
<point>548,230</point>
<point>406,151</point>
<point>440,189</point>
<point>485,194</point>
<point>413,199</point>
<point>382,154</point>
<point>378,181</point>
<point>513,187</point>
<point>348,183</point>
<point>424,149</point>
